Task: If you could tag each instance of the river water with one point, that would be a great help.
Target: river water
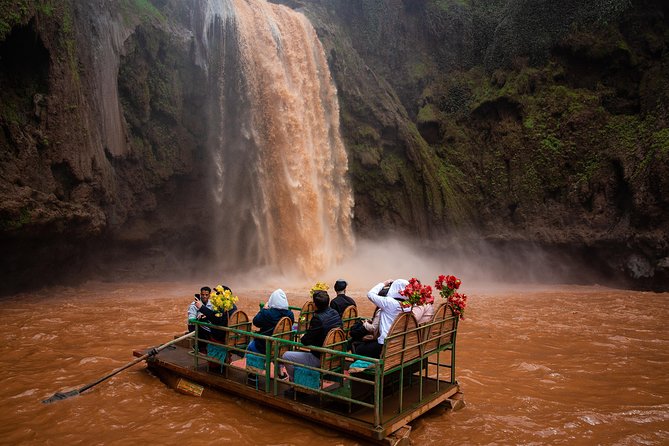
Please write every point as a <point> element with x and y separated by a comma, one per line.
<point>538,366</point>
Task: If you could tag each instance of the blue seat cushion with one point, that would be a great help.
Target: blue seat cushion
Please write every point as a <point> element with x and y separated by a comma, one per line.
<point>255,361</point>
<point>307,378</point>
<point>217,352</point>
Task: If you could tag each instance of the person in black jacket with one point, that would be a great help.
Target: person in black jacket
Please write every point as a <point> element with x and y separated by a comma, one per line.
<point>342,301</point>
<point>325,319</point>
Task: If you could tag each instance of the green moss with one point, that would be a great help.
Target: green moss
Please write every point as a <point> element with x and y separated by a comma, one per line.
<point>656,151</point>
<point>588,167</point>
<point>624,132</point>
<point>434,181</point>
<point>143,9</point>
<point>367,154</point>
<point>9,112</point>
<point>418,70</point>
<point>428,113</point>
<point>528,122</point>
<point>551,146</point>
<point>391,167</point>
<point>46,7</point>
<point>68,41</point>
<point>11,224</point>
<point>365,132</point>
<point>12,13</point>
<point>660,142</point>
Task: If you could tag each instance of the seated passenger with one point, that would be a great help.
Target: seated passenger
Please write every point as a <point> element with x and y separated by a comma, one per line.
<point>342,301</point>
<point>268,317</point>
<point>423,313</point>
<point>325,319</point>
<point>389,307</point>
<point>194,313</point>
<point>365,330</point>
<point>221,310</point>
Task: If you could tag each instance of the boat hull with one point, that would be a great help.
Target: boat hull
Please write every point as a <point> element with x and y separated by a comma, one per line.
<point>177,368</point>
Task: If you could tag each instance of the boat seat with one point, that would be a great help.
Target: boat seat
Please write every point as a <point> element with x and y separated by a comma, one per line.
<point>334,340</point>
<point>402,344</point>
<point>303,320</point>
<point>282,330</point>
<point>348,317</point>
<point>401,357</point>
<point>439,332</point>
<point>238,320</point>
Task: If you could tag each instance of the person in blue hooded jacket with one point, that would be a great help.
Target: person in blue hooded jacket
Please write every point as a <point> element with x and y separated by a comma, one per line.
<point>268,317</point>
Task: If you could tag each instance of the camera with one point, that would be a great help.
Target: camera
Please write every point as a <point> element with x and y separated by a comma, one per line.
<point>197,297</point>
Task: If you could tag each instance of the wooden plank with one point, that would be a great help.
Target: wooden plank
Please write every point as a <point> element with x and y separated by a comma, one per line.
<point>319,415</point>
<point>422,409</point>
<point>171,365</point>
<point>189,388</point>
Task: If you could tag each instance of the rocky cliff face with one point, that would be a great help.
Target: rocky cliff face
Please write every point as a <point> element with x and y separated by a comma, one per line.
<point>527,123</point>
<point>102,141</point>
<point>517,122</point>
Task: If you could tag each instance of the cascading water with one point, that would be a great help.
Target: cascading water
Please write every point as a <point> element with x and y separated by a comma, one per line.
<point>283,198</point>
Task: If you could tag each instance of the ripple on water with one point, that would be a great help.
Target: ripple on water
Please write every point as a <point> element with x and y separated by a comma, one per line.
<point>591,419</point>
<point>43,337</point>
<point>92,360</point>
<point>529,367</point>
<point>28,392</point>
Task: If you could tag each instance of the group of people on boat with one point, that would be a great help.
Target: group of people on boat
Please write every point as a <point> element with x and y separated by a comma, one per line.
<point>367,336</point>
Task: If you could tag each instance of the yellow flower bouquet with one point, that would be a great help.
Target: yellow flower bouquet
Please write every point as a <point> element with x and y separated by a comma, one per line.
<point>222,300</point>
<point>320,286</point>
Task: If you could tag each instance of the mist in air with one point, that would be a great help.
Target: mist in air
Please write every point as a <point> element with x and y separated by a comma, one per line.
<point>479,264</point>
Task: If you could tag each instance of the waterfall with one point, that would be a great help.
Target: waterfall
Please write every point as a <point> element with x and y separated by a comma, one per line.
<point>283,199</point>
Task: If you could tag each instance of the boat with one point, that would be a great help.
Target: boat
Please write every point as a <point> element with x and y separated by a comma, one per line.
<point>373,399</point>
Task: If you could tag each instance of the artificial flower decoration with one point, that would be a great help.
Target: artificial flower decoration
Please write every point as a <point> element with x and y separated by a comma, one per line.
<point>448,286</point>
<point>320,286</point>
<point>222,300</point>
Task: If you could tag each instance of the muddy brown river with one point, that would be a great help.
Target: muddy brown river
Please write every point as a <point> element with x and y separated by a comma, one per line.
<point>538,366</point>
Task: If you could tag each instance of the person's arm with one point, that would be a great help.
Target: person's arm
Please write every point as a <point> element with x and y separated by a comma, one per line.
<point>312,334</point>
<point>226,315</point>
<point>380,301</point>
<point>210,315</point>
<point>260,318</point>
<point>192,311</point>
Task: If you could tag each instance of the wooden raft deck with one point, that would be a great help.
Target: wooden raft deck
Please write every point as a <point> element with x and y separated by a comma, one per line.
<point>176,363</point>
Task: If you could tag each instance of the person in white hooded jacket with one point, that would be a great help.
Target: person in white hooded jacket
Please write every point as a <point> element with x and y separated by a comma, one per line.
<point>389,307</point>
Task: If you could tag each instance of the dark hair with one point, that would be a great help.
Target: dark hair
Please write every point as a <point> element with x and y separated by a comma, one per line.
<point>385,289</point>
<point>340,285</point>
<point>205,288</point>
<point>226,288</point>
<point>321,300</point>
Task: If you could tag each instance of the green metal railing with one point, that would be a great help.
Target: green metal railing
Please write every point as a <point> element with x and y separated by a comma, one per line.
<point>374,376</point>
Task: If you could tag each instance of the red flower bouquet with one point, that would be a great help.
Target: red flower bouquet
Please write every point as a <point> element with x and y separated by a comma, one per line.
<point>448,286</point>
<point>417,293</point>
